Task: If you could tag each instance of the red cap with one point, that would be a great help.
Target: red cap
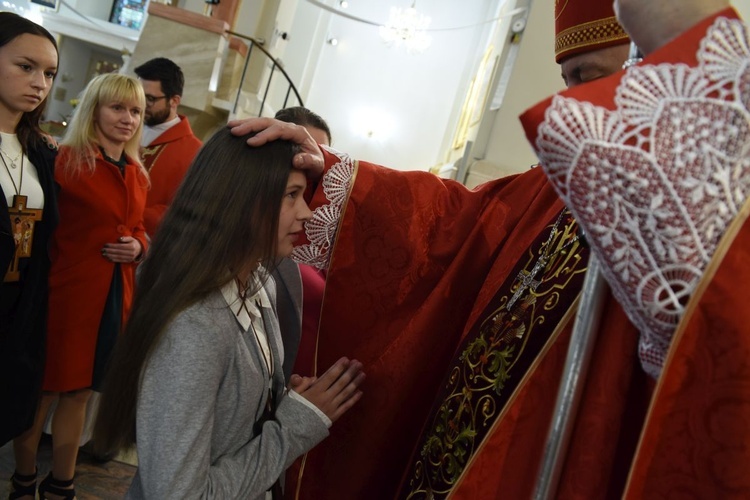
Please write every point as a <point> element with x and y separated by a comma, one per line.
<point>585,25</point>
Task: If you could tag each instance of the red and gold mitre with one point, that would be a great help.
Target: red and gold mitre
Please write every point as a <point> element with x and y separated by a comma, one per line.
<point>584,25</point>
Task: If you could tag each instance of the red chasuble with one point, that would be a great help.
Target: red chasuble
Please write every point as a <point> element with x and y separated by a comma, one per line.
<point>167,159</point>
<point>654,163</point>
<point>421,272</point>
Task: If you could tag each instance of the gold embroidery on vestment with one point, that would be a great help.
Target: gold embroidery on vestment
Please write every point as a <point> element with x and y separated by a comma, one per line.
<point>487,373</point>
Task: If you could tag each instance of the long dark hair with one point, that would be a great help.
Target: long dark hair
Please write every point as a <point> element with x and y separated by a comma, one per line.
<point>223,221</point>
<point>12,26</point>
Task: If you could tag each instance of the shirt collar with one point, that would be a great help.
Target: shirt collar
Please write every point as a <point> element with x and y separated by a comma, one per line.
<point>232,298</point>
<point>151,133</point>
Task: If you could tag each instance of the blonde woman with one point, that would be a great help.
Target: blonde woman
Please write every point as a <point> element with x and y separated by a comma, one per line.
<point>94,253</point>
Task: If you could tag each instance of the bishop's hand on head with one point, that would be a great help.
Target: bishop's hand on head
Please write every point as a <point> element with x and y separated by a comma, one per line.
<point>309,159</point>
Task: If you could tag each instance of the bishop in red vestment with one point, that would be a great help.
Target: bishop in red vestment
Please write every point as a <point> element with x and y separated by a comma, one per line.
<point>460,304</point>
<point>654,163</point>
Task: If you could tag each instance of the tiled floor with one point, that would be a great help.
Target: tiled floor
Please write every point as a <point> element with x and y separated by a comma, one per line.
<point>94,481</point>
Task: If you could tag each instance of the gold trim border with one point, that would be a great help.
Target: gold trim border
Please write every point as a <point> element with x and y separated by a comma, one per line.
<point>590,33</point>
<point>708,275</point>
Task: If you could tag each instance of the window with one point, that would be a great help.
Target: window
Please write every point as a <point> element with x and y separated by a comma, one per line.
<point>52,4</point>
<point>129,13</point>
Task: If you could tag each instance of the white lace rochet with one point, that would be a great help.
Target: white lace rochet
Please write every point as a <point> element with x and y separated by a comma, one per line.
<point>656,182</point>
<point>321,229</point>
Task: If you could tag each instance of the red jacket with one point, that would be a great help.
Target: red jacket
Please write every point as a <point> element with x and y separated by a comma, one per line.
<point>167,159</point>
<point>95,208</point>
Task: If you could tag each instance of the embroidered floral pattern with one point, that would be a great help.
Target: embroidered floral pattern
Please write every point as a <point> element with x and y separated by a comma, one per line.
<point>321,229</point>
<point>494,357</point>
<point>657,181</point>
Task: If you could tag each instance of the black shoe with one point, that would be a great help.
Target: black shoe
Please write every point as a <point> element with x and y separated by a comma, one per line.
<point>56,487</point>
<point>18,490</point>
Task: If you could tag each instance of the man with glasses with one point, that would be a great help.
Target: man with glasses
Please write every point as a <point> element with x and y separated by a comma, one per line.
<point>168,142</point>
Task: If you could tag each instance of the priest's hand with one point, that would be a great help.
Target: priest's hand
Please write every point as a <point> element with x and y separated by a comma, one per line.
<point>334,392</point>
<point>269,129</point>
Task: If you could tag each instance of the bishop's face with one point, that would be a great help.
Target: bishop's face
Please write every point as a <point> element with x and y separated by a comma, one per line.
<point>588,66</point>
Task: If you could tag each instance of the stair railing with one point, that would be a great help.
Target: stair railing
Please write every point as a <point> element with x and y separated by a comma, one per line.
<point>275,65</point>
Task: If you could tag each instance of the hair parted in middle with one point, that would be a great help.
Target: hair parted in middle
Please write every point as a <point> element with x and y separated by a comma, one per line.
<point>222,223</point>
<point>81,133</point>
<point>12,26</point>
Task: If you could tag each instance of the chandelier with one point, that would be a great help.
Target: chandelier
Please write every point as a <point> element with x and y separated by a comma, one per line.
<point>407,27</point>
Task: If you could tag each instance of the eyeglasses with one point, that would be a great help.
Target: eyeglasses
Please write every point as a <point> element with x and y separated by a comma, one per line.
<point>151,100</point>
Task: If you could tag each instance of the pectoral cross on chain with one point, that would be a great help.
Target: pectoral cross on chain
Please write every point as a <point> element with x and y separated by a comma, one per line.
<point>22,221</point>
<point>527,281</point>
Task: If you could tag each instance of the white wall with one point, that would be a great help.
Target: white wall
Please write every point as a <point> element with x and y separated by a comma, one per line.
<point>411,102</point>
<point>308,34</point>
<point>743,7</point>
<point>535,76</point>
<point>72,74</point>
<point>99,9</point>
<point>418,96</point>
<point>383,104</point>
<point>192,5</point>
<point>248,17</point>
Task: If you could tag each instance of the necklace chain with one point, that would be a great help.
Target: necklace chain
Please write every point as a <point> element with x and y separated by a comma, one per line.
<point>548,243</point>
<point>13,161</point>
<point>20,180</point>
<point>526,278</point>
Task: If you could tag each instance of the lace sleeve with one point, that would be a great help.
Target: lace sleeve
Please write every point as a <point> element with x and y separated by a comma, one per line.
<point>657,181</point>
<point>321,229</point>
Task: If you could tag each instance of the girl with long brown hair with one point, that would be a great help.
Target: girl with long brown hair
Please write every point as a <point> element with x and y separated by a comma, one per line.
<point>196,380</point>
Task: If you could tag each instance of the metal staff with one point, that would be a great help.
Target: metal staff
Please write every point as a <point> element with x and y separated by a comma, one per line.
<point>576,367</point>
<point>574,375</point>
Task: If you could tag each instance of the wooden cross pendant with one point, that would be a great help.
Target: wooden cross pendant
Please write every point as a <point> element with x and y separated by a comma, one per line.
<point>526,281</point>
<point>22,225</point>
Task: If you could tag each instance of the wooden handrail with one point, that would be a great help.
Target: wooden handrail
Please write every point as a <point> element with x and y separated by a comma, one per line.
<point>238,46</point>
<point>188,18</point>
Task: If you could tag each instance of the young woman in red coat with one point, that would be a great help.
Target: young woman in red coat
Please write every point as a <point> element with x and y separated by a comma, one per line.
<point>94,253</point>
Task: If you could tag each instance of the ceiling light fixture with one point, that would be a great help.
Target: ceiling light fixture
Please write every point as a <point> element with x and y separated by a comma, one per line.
<point>407,27</point>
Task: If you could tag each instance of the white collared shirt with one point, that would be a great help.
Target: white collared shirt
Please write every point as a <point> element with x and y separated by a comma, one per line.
<point>255,320</point>
<point>250,316</point>
<point>151,133</point>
